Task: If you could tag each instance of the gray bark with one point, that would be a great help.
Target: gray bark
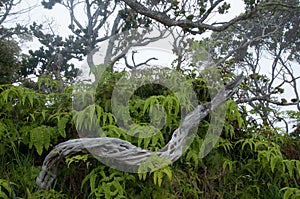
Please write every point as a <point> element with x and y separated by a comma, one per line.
<point>123,151</point>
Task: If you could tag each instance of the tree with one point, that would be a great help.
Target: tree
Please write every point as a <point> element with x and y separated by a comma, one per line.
<point>6,13</point>
<point>102,20</point>
<point>192,15</point>
<point>9,61</point>
<point>53,59</point>
<point>10,56</point>
<point>244,46</point>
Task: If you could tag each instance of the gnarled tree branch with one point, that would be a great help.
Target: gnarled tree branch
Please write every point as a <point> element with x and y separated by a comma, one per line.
<point>123,151</point>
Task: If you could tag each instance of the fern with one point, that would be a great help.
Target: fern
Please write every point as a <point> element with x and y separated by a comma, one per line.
<point>172,105</point>
<point>61,124</point>
<point>85,119</point>
<point>291,193</point>
<point>24,96</point>
<point>293,167</point>
<point>77,158</point>
<point>158,175</point>
<point>40,138</point>
<point>142,130</point>
<point>5,189</point>
<point>114,131</point>
<point>225,145</point>
<point>106,185</point>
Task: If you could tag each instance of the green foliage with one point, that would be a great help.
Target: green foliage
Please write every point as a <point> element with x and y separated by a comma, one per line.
<point>40,137</point>
<point>239,49</point>
<point>105,184</point>
<point>244,162</point>
<point>5,189</point>
<point>42,194</point>
<point>76,158</point>
<point>9,61</point>
<point>51,60</point>
<point>291,193</point>
<point>30,122</point>
<point>224,8</point>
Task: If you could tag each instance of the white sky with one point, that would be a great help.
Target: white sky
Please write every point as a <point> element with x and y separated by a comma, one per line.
<point>58,18</point>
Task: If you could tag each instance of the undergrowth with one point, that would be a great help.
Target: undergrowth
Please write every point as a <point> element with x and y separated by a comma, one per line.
<point>246,162</point>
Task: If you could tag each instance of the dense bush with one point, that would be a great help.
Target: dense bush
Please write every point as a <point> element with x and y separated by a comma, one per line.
<point>246,162</point>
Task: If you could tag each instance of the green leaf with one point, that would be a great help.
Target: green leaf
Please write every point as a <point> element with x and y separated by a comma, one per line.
<point>44,114</point>
<point>7,186</point>
<point>62,125</point>
<point>190,17</point>
<point>250,142</point>
<point>228,163</point>
<point>3,195</point>
<point>168,172</point>
<point>40,137</point>
<point>288,193</point>
<point>290,167</point>
<point>76,159</point>
<point>297,167</point>
<point>157,177</point>
<point>273,163</point>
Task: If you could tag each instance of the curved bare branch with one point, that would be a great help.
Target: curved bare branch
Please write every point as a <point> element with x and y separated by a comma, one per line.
<point>123,151</point>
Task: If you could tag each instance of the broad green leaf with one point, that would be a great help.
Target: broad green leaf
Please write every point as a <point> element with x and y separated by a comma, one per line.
<point>62,125</point>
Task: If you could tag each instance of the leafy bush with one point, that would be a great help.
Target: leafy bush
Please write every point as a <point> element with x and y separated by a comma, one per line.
<point>244,163</point>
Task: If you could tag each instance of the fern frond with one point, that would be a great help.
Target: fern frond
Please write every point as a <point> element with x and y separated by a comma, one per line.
<point>40,137</point>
